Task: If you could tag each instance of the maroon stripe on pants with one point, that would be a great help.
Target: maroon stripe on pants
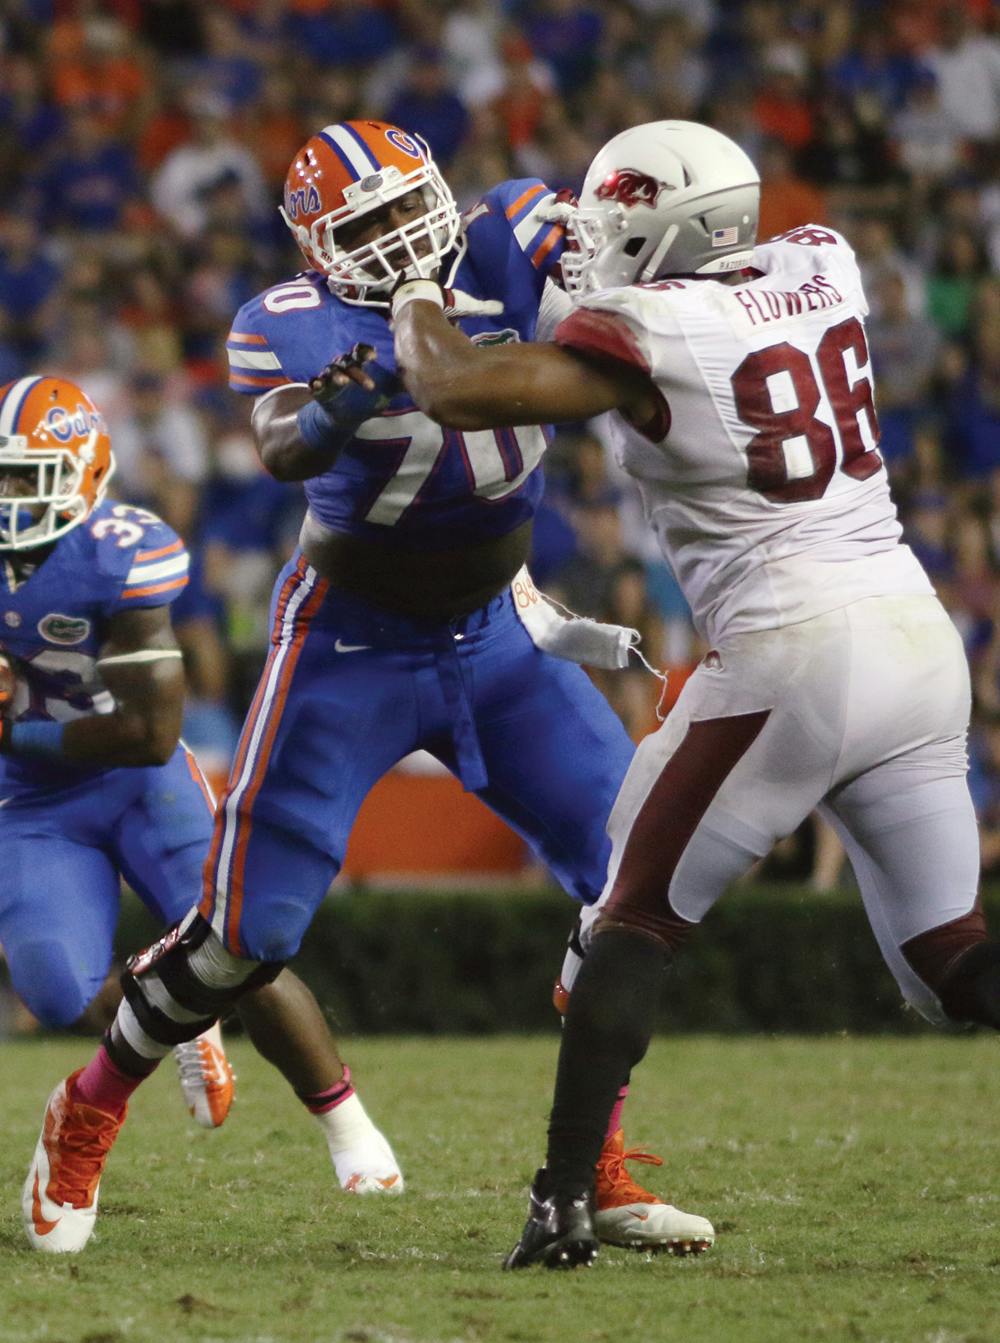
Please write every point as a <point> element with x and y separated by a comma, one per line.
<point>669,817</point>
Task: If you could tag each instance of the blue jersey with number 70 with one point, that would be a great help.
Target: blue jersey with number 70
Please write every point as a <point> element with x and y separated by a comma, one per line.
<point>404,480</point>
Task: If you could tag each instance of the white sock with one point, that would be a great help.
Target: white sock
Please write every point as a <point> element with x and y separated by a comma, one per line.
<point>346,1125</point>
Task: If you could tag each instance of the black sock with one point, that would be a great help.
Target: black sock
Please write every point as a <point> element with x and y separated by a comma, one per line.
<point>606,1032</point>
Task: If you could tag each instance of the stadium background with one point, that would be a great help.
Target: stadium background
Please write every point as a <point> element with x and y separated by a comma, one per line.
<point>142,155</point>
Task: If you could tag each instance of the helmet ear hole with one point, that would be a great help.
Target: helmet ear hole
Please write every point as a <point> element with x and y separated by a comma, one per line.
<point>634,246</point>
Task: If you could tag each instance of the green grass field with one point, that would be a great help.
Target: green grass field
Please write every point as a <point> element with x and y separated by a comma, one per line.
<point>853,1183</point>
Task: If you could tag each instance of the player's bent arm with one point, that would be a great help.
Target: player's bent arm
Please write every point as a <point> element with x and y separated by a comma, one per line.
<point>468,387</point>
<point>278,439</point>
<point>140,665</point>
<point>301,430</point>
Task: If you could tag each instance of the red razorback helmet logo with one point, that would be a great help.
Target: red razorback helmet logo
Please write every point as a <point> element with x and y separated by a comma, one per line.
<point>630,187</point>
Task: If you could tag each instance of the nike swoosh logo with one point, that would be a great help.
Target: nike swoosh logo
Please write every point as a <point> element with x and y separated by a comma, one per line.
<point>386,1182</point>
<point>639,1216</point>
<point>341,647</point>
<point>41,1225</point>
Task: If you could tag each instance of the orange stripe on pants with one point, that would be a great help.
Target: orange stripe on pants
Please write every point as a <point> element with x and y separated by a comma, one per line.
<point>206,906</point>
<point>194,770</point>
<point>244,823</point>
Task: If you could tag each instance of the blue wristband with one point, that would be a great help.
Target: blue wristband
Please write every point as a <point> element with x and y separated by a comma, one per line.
<point>319,430</point>
<point>42,740</point>
<point>325,426</point>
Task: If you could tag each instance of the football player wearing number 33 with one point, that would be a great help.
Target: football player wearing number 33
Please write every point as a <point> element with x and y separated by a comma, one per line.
<point>403,621</point>
<point>95,785</point>
<point>740,382</point>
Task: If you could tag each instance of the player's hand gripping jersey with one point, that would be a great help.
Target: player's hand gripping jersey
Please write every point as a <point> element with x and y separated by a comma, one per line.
<point>403,480</point>
<point>53,623</point>
<point>767,492</point>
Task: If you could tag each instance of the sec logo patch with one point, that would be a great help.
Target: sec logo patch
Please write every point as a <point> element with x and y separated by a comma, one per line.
<point>59,629</point>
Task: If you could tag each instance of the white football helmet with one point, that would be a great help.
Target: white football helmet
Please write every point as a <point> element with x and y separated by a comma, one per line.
<point>667,198</point>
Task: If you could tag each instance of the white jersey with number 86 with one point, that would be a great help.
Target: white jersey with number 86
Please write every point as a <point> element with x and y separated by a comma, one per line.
<point>767,493</point>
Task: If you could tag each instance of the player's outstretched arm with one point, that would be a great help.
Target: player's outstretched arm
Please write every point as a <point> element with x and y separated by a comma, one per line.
<point>300,430</point>
<point>467,387</point>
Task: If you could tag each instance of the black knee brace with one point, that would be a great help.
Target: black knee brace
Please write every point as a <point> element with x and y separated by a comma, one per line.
<point>971,991</point>
<point>163,990</point>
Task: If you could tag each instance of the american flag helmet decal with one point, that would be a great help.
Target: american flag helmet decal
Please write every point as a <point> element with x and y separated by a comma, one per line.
<point>725,237</point>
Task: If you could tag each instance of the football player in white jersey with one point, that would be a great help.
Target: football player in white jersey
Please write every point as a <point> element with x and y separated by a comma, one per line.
<point>741,386</point>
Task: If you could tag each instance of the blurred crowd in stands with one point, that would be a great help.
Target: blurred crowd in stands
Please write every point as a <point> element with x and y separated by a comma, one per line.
<point>144,148</point>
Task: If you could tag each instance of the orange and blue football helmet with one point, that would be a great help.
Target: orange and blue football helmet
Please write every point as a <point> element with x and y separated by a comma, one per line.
<point>54,444</point>
<point>346,170</point>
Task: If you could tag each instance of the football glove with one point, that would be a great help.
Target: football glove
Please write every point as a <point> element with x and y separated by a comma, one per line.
<point>350,402</point>
<point>328,421</point>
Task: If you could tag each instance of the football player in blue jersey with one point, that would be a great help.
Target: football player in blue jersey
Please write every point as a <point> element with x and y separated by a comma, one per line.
<point>405,621</point>
<point>94,783</point>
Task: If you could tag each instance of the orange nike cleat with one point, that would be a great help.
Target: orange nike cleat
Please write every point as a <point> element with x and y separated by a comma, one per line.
<point>59,1199</point>
<point>631,1216</point>
<point>206,1077</point>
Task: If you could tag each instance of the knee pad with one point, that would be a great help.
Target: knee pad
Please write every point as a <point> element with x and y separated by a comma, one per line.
<point>184,982</point>
<point>971,991</point>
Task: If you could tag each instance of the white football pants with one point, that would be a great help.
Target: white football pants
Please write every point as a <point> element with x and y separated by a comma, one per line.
<point>867,710</point>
